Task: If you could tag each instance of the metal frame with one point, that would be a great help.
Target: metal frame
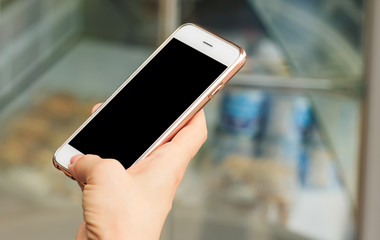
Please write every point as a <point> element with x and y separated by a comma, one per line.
<point>369,205</point>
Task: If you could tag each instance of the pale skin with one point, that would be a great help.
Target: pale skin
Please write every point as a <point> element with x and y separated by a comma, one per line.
<point>134,203</point>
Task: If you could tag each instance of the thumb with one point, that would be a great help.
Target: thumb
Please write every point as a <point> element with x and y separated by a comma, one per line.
<point>92,169</point>
<point>81,166</point>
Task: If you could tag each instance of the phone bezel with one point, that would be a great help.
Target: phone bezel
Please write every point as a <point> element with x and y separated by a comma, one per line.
<point>193,35</point>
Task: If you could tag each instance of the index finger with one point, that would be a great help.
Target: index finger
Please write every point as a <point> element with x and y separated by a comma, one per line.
<point>193,135</point>
<point>96,106</point>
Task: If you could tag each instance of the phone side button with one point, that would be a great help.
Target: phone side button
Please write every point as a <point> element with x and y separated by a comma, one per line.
<point>216,91</point>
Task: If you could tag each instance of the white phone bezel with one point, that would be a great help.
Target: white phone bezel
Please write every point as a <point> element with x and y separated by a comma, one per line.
<point>221,50</point>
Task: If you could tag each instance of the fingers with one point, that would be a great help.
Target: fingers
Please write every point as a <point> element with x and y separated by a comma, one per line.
<point>193,135</point>
<point>95,107</point>
<point>173,157</point>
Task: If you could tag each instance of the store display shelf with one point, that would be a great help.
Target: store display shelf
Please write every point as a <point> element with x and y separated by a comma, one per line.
<point>316,46</point>
<point>351,87</point>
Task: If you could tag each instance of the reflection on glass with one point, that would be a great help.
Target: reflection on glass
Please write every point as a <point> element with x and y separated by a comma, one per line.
<point>321,38</point>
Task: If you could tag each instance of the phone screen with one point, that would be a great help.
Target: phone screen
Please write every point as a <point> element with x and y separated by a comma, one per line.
<point>147,106</point>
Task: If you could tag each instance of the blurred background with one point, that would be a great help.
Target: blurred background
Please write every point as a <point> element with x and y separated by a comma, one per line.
<point>288,154</point>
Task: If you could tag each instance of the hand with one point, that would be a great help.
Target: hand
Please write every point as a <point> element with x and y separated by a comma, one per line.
<point>134,203</point>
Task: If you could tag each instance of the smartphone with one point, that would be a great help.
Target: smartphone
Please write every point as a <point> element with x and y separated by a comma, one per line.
<point>157,100</point>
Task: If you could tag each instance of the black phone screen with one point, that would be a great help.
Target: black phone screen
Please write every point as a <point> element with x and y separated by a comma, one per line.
<point>147,106</point>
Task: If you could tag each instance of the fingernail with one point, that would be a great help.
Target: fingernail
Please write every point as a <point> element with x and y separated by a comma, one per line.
<point>75,158</point>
